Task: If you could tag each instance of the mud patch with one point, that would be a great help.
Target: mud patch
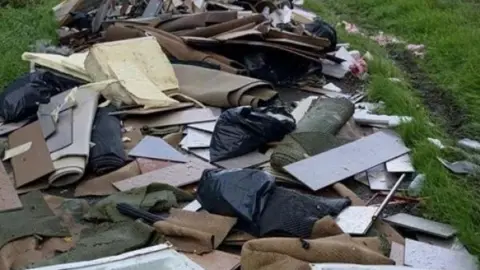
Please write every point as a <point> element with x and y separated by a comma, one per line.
<point>439,101</point>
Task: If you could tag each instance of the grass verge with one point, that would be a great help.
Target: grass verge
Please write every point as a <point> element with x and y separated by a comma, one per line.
<point>448,198</point>
<point>450,30</point>
<point>19,28</point>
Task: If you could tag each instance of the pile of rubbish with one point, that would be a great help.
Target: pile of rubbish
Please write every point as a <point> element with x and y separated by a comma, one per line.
<point>208,134</point>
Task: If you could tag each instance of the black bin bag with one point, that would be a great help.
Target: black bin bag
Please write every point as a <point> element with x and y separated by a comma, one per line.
<point>241,193</point>
<point>21,98</point>
<point>322,29</point>
<point>241,130</point>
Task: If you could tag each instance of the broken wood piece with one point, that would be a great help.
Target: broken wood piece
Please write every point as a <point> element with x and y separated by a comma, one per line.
<point>421,225</point>
<point>34,163</point>
<point>9,199</point>
<point>422,255</point>
<point>176,175</point>
<point>347,160</point>
<point>156,148</point>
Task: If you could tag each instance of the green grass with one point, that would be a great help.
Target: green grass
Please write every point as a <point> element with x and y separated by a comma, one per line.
<point>19,28</point>
<point>451,31</point>
<point>448,198</point>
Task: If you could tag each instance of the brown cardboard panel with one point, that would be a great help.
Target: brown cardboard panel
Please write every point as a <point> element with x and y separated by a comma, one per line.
<point>179,118</point>
<point>8,196</point>
<point>147,165</point>
<point>36,162</point>
<point>176,175</point>
<point>216,260</point>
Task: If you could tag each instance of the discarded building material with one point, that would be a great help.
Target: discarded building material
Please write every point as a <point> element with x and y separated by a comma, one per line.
<point>364,118</point>
<point>9,199</point>
<point>422,255</point>
<point>206,126</point>
<point>176,175</point>
<point>380,179</point>
<point>6,128</point>
<point>248,160</point>
<point>401,164</point>
<point>362,155</point>
<point>302,107</point>
<point>452,243</point>
<point>460,167</point>
<point>356,219</point>
<point>469,144</point>
<point>158,256</point>
<point>156,148</point>
<point>63,135</point>
<point>180,118</point>
<point>436,142</point>
<point>34,163</point>
<point>174,107</point>
<point>216,260</point>
<point>397,253</point>
<point>194,206</point>
<point>147,165</point>
<point>196,139</point>
<point>421,225</point>
<point>388,197</point>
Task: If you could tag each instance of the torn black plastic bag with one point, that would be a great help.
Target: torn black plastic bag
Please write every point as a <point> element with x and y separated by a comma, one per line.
<point>322,29</point>
<point>107,153</point>
<point>263,209</point>
<point>241,130</point>
<point>20,99</point>
<point>241,193</point>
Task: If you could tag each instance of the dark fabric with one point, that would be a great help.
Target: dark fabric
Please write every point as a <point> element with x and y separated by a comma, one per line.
<point>107,153</point>
<point>20,99</point>
<point>290,213</point>
<point>35,218</point>
<point>155,197</point>
<point>320,28</point>
<point>105,240</point>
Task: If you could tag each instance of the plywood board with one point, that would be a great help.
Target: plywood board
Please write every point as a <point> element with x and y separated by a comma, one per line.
<point>422,255</point>
<point>34,163</point>
<point>8,195</point>
<point>156,148</point>
<point>176,175</point>
<point>347,160</point>
<point>421,225</point>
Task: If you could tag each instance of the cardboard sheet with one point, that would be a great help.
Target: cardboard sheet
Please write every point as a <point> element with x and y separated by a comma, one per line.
<point>179,118</point>
<point>176,175</point>
<point>34,163</point>
<point>140,66</point>
<point>9,199</point>
<point>347,160</point>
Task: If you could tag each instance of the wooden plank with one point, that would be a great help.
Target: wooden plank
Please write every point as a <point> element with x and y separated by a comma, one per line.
<point>347,160</point>
<point>175,175</point>
<point>9,199</point>
<point>34,163</point>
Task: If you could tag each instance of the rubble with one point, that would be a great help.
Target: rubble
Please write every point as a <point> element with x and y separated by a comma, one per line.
<point>173,119</point>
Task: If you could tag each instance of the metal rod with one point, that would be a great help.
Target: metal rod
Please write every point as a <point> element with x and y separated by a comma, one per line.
<point>388,197</point>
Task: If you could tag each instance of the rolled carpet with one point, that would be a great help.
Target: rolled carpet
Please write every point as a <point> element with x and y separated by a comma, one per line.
<point>315,132</point>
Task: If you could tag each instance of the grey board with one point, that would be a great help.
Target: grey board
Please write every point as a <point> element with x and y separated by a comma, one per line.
<point>380,179</point>
<point>196,139</point>
<point>422,255</point>
<point>400,165</point>
<point>421,225</point>
<point>356,219</point>
<point>206,126</point>
<point>347,160</point>
<point>156,148</point>
<point>6,128</point>
<point>63,135</point>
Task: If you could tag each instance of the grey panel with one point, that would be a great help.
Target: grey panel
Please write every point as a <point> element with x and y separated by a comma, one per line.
<point>64,132</point>
<point>356,219</point>
<point>347,160</point>
<point>380,179</point>
<point>156,148</point>
<point>9,127</point>
<point>207,126</point>
<point>452,243</point>
<point>400,164</point>
<point>418,254</point>
<point>196,139</point>
<point>397,253</point>
<point>422,225</point>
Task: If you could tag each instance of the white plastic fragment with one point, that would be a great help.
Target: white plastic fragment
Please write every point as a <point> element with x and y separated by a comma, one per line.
<point>469,144</point>
<point>332,87</point>
<point>436,142</point>
<point>362,117</point>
